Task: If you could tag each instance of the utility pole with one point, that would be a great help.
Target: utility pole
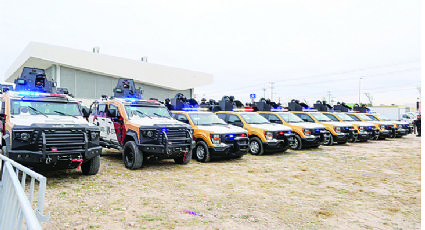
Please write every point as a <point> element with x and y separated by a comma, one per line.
<point>360,79</point>
<point>271,90</point>
<point>329,96</point>
<point>264,89</point>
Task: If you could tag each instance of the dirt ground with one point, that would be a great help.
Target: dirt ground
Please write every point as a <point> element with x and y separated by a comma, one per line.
<point>374,185</point>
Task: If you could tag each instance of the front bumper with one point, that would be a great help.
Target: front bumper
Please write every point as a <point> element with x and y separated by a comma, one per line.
<point>276,144</point>
<point>166,151</point>
<point>54,159</point>
<point>312,140</point>
<point>386,133</point>
<point>343,137</point>
<point>364,136</point>
<point>238,147</point>
<point>401,132</point>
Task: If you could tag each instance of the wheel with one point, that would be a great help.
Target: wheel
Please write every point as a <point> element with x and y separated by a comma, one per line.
<point>329,141</point>
<point>201,152</point>
<point>184,159</point>
<point>352,139</point>
<point>297,143</point>
<point>132,156</point>
<point>255,146</point>
<point>91,167</point>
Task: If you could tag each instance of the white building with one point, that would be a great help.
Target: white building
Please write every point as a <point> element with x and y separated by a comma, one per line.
<point>88,75</point>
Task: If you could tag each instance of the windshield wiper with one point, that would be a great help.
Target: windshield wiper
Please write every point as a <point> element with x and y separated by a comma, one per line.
<point>142,113</point>
<point>37,111</point>
<point>65,114</point>
<point>159,115</point>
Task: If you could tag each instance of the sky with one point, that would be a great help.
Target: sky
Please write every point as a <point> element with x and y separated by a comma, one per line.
<point>288,49</point>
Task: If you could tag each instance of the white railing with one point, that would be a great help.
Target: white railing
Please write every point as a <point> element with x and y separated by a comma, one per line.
<point>16,201</point>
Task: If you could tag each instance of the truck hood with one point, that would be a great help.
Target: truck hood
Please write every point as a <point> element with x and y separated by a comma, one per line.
<point>158,121</point>
<point>309,125</point>
<point>361,123</point>
<point>338,123</point>
<point>56,120</point>
<point>271,127</point>
<point>222,128</point>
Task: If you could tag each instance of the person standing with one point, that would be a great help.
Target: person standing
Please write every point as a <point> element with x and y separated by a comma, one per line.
<point>417,124</point>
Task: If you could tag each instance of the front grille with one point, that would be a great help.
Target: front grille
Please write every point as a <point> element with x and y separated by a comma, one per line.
<point>176,136</point>
<point>62,140</point>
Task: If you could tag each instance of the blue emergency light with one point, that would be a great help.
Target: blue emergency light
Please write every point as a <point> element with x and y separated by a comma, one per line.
<point>29,93</point>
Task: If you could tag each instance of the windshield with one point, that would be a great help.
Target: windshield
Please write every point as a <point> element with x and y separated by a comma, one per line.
<point>332,117</point>
<point>45,108</point>
<point>366,118</point>
<point>206,119</point>
<point>290,118</point>
<point>320,117</point>
<point>146,111</point>
<point>354,117</point>
<point>382,117</point>
<point>345,117</point>
<point>254,118</point>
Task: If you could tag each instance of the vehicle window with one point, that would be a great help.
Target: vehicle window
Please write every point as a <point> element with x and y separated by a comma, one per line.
<point>206,119</point>
<point>331,116</point>
<point>273,118</point>
<point>354,117</point>
<point>233,119</point>
<point>181,117</point>
<point>111,106</point>
<point>305,117</point>
<point>320,117</point>
<point>366,118</point>
<point>44,107</point>
<point>372,117</point>
<point>345,117</point>
<point>149,111</point>
<point>290,117</point>
<point>222,116</point>
<point>102,109</point>
<point>254,118</point>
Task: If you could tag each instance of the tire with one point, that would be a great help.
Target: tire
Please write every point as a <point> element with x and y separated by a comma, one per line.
<point>132,156</point>
<point>91,167</point>
<point>330,141</point>
<point>201,152</point>
<point>256,146</point>
<point>297,144</point>
<point>353,139</point>
<point>185,159</point>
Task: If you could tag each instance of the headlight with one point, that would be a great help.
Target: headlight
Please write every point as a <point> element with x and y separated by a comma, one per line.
<point>307,132</point>
<point>25,136</point>
<point>215,138</point>
<point>382,126</point>
<point>148,133</point>
<point>22,135</point>
<point>269,135</point>
<point>94,135</point>
<point>337,129</point>
<point>400,126</point>
<point>362,128</point>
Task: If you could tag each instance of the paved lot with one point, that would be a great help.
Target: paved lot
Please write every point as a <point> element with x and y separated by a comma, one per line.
<point>374,185</point>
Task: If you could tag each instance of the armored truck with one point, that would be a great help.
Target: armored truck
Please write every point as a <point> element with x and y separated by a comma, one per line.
<point>142,129</point>
<point>46,130</point>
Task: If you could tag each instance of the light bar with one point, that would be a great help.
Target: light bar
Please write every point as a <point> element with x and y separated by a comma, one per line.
<point>308,110</point>
<point>131,99</point>
<point>249,109</point>
<point>279,110</point>
<point>189,109</point>
<point>29,93</point>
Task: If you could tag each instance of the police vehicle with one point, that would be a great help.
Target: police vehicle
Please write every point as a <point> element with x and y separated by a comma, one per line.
<point>213,136</point>
<point>142,129</point>
<point>382,129</point>
<point>263,135</point>
<point>306,134</point>
<point>400,128</point>
<point>341,132</point>
<point>46,130</point>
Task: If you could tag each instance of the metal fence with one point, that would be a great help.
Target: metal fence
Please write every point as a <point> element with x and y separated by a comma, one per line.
<point>17,201</point>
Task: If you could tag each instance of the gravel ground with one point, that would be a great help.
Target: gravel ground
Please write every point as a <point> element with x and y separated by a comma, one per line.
<point>374,185</point>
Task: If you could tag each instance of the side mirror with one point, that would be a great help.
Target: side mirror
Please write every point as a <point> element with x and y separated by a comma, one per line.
<point>112,113</point>
<point>238,123</point>
<point>86,112</point>
<point>276,121</point>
